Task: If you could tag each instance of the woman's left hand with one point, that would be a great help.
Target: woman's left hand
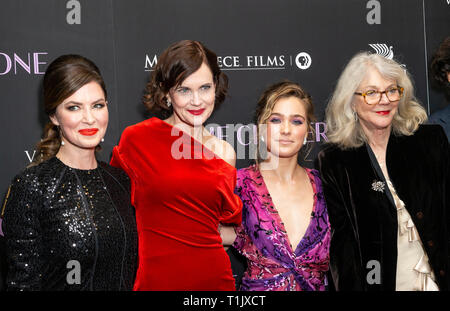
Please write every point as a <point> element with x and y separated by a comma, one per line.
<point>227,234</point>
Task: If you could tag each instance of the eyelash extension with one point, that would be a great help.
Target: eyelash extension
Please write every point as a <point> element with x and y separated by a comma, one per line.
<point>71,108</point>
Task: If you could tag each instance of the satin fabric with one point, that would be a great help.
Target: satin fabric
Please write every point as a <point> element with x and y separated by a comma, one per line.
<point>181,192</point>
<point>413,268</point>
<point>273,264</point>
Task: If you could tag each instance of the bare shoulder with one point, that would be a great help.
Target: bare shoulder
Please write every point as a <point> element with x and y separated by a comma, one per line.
<point>222,149</point>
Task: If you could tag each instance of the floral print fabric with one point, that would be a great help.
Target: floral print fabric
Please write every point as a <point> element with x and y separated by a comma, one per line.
<point>262,239</point>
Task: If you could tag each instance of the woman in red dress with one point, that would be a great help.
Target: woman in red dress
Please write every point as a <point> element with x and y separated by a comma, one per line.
<point>183,178</point>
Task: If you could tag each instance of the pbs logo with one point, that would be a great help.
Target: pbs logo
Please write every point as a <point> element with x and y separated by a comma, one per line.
<point>303,60</point>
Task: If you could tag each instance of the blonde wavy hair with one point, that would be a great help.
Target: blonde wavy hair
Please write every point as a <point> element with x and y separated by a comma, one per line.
<point>342,128</point>
<point>269,98</point>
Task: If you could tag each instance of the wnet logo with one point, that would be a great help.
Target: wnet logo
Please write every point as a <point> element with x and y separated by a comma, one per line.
<point>383,50</point>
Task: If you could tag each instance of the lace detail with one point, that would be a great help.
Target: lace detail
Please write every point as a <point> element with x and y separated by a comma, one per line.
<point>410,275</point>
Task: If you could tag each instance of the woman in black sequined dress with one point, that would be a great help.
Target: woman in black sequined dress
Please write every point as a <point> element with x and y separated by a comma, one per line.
<point>67,219</point>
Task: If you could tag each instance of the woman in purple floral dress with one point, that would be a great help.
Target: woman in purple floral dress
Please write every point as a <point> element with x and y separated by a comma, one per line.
<point>285,233</point>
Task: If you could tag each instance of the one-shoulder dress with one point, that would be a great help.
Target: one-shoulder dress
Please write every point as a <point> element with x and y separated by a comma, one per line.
<point>181,192</point>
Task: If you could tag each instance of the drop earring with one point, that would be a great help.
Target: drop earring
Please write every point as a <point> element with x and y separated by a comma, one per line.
<point>62,143</point>
<point>304,141</point>
<point>168,102</point>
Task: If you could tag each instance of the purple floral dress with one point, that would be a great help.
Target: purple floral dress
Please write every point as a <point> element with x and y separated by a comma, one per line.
<point>262,239</point>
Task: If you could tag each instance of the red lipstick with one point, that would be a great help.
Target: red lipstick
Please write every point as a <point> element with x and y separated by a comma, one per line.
<point>88,132</point>
<point>383,113</point>
<point>197,112</point>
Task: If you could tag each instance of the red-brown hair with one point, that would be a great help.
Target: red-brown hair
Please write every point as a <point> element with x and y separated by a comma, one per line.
<point>175,64</point>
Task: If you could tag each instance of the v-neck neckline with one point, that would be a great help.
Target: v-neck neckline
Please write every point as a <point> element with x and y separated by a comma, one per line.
<point>280,220</point>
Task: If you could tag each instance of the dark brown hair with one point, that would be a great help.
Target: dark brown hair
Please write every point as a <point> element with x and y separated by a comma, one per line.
<point>440,65</point>
<point>175,64</point>
<point>271,95</point>
<point>63,77</point>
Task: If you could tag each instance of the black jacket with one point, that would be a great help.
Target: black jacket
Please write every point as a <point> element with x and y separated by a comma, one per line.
<point>60,223</point>
<point>364,221</point>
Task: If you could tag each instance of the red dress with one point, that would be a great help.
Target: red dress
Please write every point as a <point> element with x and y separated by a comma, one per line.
<point>179,203</point>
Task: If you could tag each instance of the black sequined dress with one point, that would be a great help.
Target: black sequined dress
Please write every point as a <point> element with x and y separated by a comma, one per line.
<point>70,229</point>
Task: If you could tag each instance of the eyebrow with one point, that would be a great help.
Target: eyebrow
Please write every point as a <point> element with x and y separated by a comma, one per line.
<point>78,103</point>
<point>376,87</point>
<point>188,87</point>
<point>293,116</point>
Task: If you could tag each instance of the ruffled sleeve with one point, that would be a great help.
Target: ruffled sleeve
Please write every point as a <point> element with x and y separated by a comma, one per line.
<point>242,239</point>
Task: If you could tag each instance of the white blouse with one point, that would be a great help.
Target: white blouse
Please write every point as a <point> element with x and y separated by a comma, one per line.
<point>413,269</point>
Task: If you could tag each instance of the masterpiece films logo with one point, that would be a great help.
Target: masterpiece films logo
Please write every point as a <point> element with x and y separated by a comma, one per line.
<point>301,60</point>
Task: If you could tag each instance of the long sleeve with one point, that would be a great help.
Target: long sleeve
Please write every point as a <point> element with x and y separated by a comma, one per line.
<point>445,150</point>
<point>344,257</point>
<point>23,240</point>
<point>446,157</point>
<point>242,239</point>
<point>119,159</point>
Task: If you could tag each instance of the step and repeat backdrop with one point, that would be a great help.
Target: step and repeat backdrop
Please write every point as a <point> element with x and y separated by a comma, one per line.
<point>258,42</point>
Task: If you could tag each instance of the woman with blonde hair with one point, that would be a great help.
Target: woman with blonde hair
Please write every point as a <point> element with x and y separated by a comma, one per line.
<point>285,231</point>
<point>386,182</point>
